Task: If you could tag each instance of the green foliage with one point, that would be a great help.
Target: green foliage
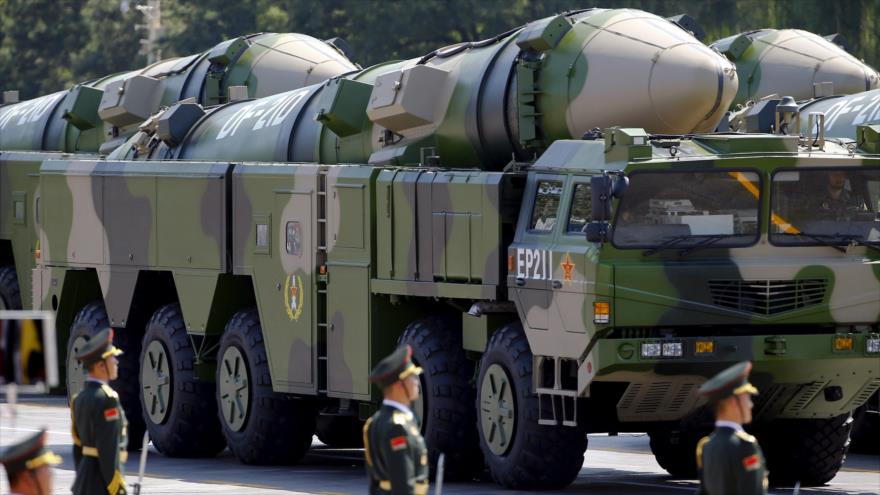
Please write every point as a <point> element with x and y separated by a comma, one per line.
<point>47,45</point>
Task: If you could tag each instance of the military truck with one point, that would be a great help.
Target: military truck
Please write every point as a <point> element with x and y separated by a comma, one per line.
<point>256,293</point>
<point>473,104</point>
<point>592,290</point>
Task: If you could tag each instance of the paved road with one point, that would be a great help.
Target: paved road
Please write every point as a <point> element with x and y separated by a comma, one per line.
<point>614,465</point>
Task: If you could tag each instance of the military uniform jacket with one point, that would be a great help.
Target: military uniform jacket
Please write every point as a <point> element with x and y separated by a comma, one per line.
<point>731,463</point>
<point>99,441</point>
<point>397,459</point>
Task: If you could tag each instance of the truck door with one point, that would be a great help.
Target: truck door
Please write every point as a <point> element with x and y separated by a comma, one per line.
<point>572,278</point>
<point>530,256</point>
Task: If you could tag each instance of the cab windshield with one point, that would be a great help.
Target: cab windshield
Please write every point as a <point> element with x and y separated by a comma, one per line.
<point>825,206</point>
<point>687,209</point>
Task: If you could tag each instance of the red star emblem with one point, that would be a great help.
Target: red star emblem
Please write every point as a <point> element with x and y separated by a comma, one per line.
<point>567,266</point>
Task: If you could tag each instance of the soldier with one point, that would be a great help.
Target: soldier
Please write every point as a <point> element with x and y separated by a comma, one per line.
<point>397,459</point>
<point>99,425</point>
<point>730,460</point>
<point>27,465</point>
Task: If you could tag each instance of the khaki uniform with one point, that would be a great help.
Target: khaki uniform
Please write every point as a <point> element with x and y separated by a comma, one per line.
<point>99,440</point>
<point>396,455</point>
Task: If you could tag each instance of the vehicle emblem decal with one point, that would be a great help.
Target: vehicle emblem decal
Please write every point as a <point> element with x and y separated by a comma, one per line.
<point>293,296</point>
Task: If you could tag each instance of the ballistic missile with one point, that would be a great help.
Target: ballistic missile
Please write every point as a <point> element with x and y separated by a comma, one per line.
<point>99,115</point>
<point>475,104</point>
<point>790,62</point>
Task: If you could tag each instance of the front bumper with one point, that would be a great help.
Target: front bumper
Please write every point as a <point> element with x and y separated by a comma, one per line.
<point>799,376</point>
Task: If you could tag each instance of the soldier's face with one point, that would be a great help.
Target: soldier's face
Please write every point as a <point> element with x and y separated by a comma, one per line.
<point>44,479</point>
<point>112,365</point>
<point>745,407</point>
<point>412,387</point>
<point>836,180</point>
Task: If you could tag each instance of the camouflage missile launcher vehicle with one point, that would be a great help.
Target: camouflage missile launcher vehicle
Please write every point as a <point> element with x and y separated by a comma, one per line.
<point>256,294</point>
<point>266,291</point>
<point>576,312</point>
<point>523,84</point>
<point>789,62</point>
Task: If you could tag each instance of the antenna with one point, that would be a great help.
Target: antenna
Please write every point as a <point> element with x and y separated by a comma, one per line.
<point>152,12</point>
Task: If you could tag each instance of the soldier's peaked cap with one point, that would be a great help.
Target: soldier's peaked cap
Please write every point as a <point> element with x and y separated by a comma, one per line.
<point>28,453</point>
<point>396,366</point>
<point>730,382</point>
<point>99,347</point>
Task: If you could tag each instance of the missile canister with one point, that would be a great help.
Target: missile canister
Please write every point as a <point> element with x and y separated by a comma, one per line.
<point>100,114</point>
<point>479,104</point>
<point>788,62</point>
<point>843,114</point>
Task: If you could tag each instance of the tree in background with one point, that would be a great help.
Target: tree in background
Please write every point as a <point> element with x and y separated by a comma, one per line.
<point>48,45</point>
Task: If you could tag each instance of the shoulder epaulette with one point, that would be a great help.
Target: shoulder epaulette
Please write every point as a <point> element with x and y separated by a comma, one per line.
<point>109,391</point>
<point>399,418</point>
<point>745,436</point>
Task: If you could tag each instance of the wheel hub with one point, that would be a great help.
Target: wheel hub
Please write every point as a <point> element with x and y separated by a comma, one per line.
<point>497,410</point>
<point>234,388</point>
<point>156,382</point>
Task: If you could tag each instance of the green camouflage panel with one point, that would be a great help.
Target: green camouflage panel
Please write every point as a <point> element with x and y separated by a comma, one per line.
<point>481,103</point>
<point>19,209</point>
<point>788,62</point>
<point>755,299</point>
<point>118,218</point>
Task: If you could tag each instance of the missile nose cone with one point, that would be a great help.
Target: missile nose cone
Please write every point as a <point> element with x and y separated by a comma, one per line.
<point>644,71</point>
<point>691,87</point>
<point>847,74</point>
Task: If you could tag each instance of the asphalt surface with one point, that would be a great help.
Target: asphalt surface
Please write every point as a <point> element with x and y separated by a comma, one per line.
<point>614,465</point>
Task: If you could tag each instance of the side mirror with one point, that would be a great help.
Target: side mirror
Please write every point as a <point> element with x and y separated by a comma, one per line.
<point>597,232</point>
<point>600,200</point>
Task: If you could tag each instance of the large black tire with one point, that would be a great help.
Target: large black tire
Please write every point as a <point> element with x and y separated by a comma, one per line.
<point>90,320</point>
<point>866,428</point>
<point>675,450</point>
<point>811,451</point>
<point>190,426</point>
<point>447,398</point>
<point>10,294</point>
<point>341,432</point>
<point>272,428</point>
<point>537,457</point>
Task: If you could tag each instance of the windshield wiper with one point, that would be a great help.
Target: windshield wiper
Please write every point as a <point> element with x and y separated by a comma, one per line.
<point>670,243</point>
<point>708,241</point>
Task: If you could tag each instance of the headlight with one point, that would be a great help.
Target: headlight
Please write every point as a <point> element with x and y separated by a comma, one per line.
<point>672,349</point>
<point>651,349</point>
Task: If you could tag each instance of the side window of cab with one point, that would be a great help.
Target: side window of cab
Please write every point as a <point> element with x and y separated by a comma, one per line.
<point>546,208</point>
<point>579,212</point>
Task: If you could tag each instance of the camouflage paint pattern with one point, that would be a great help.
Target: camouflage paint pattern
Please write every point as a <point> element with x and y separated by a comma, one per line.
<point>666,297</point>
<point>788,62</point>
<point>264,63</point>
